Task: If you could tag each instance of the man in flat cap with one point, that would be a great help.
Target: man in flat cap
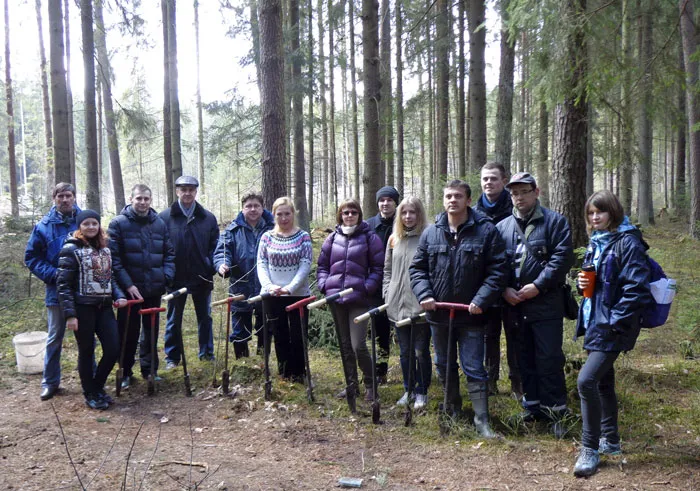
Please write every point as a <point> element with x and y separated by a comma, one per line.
<point>194,233</point>
<point>538,244</point>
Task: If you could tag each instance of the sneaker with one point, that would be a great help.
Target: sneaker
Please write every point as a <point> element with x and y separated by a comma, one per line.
<point>94,401</point>
<point>607,448</point>
<point>421,402</point>
<point>587,462</point>
<point>169,365</point>
<point>404,399</point>
<point>126,382</point>
<point>105,397</point>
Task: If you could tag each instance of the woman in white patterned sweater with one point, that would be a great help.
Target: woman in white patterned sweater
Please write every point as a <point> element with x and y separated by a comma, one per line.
<point>284,264</point>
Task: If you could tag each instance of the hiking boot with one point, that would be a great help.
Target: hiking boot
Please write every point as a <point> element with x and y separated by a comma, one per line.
<point>94,401</point>
<point>587,462</point>
<point>607,448</point>
<point>421,402</point>
<point>344,393</point>
<point>369,395</point>
<point>105,397</point>
<point>169,364</point>
<point>404,399</point>
<point>240,349</point>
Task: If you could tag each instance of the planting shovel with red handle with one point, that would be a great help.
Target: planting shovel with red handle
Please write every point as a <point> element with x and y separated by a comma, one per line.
<point>120,370</point>
<point>376,409</point>
<point>225,376</point>
<point>350,390</point>
<point>305,340</point>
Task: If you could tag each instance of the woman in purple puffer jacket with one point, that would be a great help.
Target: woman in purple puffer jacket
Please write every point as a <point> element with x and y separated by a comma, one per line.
<point>352,257</point>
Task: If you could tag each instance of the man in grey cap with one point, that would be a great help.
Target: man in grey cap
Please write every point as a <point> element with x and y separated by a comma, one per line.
<point>194,233</point>
<point>538,241</point>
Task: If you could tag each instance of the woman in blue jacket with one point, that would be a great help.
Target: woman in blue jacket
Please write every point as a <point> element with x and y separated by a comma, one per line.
<point>609,321</point>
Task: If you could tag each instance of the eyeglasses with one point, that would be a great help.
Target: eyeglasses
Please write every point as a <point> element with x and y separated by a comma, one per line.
<point>524,193</point>
<point>349,213</point>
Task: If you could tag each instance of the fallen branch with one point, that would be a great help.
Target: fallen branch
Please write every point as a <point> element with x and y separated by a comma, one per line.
<point>203,465</point>
<point>65,443</point>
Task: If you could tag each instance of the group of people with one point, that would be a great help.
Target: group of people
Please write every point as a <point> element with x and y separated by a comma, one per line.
<point>505,259</point>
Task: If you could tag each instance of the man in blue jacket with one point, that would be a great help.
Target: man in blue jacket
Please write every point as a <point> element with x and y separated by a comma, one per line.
<point>194,233</point>
<point>460,259</point>
<point>538,244</point>
<point>41,257</point>
<point>236,257</point>
<point>143,261</point>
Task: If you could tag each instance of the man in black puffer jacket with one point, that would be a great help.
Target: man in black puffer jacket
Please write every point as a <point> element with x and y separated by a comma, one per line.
<point>534,297</point>
<point>194,233</point>
<point>143,261</point>
<point>460,259</point>
<point>382,224</point>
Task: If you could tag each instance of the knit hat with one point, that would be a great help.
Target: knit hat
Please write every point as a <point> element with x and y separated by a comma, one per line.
<point>85,214</point>
<point>388,192</point>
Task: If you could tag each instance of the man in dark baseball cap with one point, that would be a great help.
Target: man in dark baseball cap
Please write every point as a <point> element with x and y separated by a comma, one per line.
<point>194,233</point>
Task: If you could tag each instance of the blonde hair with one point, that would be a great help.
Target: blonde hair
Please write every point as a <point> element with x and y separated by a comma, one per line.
<point>399,231</point>
<point>284,201</point>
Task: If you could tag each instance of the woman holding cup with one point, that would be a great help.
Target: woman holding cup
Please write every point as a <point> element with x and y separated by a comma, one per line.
<point>615,294</point>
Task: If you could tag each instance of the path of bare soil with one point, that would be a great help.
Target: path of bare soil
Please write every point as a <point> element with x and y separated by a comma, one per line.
<point>244,443</point>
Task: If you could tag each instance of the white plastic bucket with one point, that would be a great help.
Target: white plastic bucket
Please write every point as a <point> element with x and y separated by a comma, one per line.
<point>30,349</point>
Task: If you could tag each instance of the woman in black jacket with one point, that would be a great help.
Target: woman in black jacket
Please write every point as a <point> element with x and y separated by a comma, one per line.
<point>608,320</point>
<point>86,289</point>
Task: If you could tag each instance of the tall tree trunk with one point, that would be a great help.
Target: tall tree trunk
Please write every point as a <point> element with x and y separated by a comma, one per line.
<point>298,119</point>
<point>92,188</point>
<point>255,34</point>
<point>442,81</point>
<point>476,14</point>
<point>432,188</point>
<point>625,181</point>
<point>46,103</point>
<point>570,132</point>
<point>461,94</point>
<point>399,100</point>
<point>590,171</point>
<point>689,35</point>
<point>167,142</point>
<point>272,101</point>
<point>646,129</point>
<point>370,58</point>
<point>324,107</point>
<point>310,94</point>
<point>59,98</point>
<point>69,93</point>
<point>543,160</point>
<point>12,159</point>
<point>175,144</point>
<point>105,76</point>
<point>332,171</point>
<point>386,108</point>
<point>353,103</point>
<point>679,201</point>
<point>200,122</point>
<point>504,110</point>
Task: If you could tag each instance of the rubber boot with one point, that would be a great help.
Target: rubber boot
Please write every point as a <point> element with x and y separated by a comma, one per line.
<point>240,349</point>
<point>478,393</point>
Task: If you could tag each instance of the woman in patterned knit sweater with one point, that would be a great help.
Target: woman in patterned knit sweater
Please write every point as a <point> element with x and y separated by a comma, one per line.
<point>284,264</point>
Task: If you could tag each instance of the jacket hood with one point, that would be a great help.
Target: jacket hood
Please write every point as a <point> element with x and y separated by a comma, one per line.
<point>129,212</point>
<point>266,217</point>
<point>53,217</point>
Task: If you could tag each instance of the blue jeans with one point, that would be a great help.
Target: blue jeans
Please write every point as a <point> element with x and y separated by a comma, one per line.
<point>173,327</point>
<point>54,343</point>
<point>422,366</point>
<point>596,386</point>
<point>470,345</point>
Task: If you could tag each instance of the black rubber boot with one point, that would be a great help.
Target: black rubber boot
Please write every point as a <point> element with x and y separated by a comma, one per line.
<point>240,349</point>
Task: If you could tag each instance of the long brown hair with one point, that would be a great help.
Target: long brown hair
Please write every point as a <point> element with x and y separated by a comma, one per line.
<point>100,240</point>
<point>605,201</point>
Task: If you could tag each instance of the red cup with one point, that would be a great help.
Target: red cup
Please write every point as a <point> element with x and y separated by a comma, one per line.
<point>588,271</point>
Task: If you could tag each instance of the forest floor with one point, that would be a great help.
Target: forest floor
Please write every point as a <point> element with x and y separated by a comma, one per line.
<point>211,441</point>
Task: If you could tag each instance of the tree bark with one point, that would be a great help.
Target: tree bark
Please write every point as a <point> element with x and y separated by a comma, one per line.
<point>461,94</point>
<point>679,196</point>
<point>175,144</point>
<point>12,159</point>
<point>442,82</point>
<point>105,76</point>
<point>332,170</point>
<point>543,160</point>
<point>689,35</point>
<point>310,95</point>
<point>324,107</point>
<point>92,188</point>
<point>646,128</point>
<point>627,121</point>
<point>298,120</point>
<point>353,103</point>
<point>504,110</point>
<point>200,121</point>
<point>46,103</point>
<point>477,83</point>
<point>370,55</point>
<point>399,101</point>
<point>386,108</point>
<point>167,142</point>
<point>69,95</point>
<point>59,98</point>
<point>272,101</point>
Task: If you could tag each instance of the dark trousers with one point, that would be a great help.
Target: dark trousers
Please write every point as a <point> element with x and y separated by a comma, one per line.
<point>286,329</point>
<point>542,366</point>
<point>382,329</point>
<point>95,321</point>
<point>596,386</point>
<point>242,328</point>
<point>492,360</point>
<point>139,326</point>
<point>173,327</point>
